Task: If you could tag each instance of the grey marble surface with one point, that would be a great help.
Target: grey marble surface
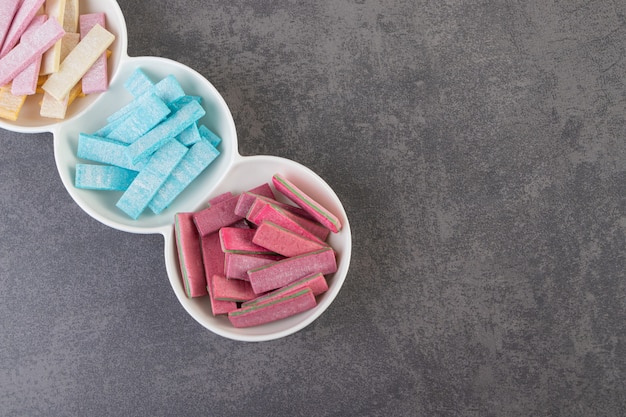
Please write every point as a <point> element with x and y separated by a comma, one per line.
<point>479,150</point>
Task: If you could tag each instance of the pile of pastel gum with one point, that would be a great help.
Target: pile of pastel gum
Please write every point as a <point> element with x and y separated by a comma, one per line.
<point>47,47</point>
<point>150,149</point>
<point>254,257</point>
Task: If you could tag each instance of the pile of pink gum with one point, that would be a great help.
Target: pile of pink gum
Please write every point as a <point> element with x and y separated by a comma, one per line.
<point>262,259</point>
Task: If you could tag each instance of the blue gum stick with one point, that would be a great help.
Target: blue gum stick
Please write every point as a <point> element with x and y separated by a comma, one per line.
<point>150,111</point>
<point>139,194</point>
<point>165,131</point>
<point>199,157</point>
<point>106,151</point>
<point>103,177</point>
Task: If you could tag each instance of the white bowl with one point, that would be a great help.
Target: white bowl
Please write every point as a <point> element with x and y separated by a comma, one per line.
<point>29,120</point>
<point>229,172</point>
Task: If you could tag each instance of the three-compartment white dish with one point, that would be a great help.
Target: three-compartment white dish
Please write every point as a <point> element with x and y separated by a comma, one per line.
<point>229,172</point>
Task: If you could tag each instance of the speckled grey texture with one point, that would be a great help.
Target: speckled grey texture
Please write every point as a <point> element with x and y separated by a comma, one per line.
<point>479,150</point>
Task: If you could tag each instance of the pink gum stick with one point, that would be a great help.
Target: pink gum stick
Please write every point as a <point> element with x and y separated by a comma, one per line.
<point>216,216</point>
<point>28,9</point>
<point>315,209</point>
<point>287,306</point>
<point>213,259</point>
<point>236,290</point>
<point>25,53</point>
<point>190,255</point>
<point>7,12</point>
<point>247,198</point>
<point>96,79</point>
<point>281,273</point>
<point>238,264</point>
<point>238,240</point>
<point>25,83</point>
<point>316,282</point>
<point>296,224</point>
<point>283,241</point>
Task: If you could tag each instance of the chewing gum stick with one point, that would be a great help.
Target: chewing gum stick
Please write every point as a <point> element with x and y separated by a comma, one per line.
<point>284,272</point>
<point>22,19</point>
<point>283,241</point>
<point>286,306</point>
<point>96,79</point>
<point>103,177</point>
<point>79,60</point>
<point>216,216</point>
<point>316,282</point>
<point>238,240</point>
<point>25,53</point>
<point>25,83</point>
<point>7,12</point>
<point>189,249</point>
<point>315,209</point>
<point>225,289</point>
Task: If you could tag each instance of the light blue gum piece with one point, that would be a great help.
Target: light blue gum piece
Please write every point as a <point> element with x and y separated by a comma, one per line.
<point>106,151</point>
<point>165,131</point>
<point>180,102</point>
<point>190,135</point>
<point>138,83</point>
<point>149,112</point>
<point>199,157</point>
<point>103,177</point>
<point>207,134</point>
<point>168,90</point>
<point>139,194</point>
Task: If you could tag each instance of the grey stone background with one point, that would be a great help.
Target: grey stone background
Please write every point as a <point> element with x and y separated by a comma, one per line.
<point>479,150</point>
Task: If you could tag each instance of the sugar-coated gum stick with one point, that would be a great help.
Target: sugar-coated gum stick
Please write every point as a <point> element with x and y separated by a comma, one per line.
<point>189,249</point>
<point>10,105</point>
<point>25,83</point>
<point>25,53</point>
<point>239,240</point>
<point>286,306</point>
<point>164,131</point>
<point>281,273</point>
<point>315,209</point>
<point>190,136</point>
<point>8,8</point>
<point>51,59</point>
<point>307,223</point>
<point>137,197</point>
<point>275,215</point>
<point>103,177</point>
<point>208,134</point>
<point>316,282</point>
<point>22,19</point>
<point>213,260</point>
<point>225,289</point>
<point>53,108</point>
<point>96,79</point>
<point>182,101</point>
<point>216,216</point>
<point>237,265</point>
<point>167,89</point>
<point>220,197</point>
<point>263,201</point>
<point>138,83</point>
<point>149,113</point>
<point>76,64</point>
<point>71,13</point>
<point>283,241</point>
<point>199,157</point>
<point>246,199</point>
<point>218,307</point>
<point>98,149</point>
